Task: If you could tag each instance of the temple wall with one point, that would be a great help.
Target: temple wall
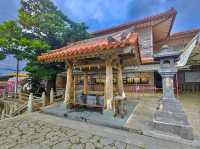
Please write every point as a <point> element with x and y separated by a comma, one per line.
<point>189,81</point>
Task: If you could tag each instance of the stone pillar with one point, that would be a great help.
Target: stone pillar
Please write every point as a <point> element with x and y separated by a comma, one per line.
<point>2,114</point>
<point>168,85</point>
<point>20,95</point>
<point>68,85</point>
<point>44,99</point>
<point>85,84</point>
<point>4,94</point>
<point>120,81</point>
<point>109,85</point>
<point>169,116</point>
<point>30,103</point>
<point>51,96</point>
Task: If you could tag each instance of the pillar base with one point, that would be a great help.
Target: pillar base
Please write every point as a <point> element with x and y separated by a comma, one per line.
<point>170,117</point>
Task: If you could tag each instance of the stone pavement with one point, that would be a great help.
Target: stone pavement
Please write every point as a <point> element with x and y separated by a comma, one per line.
<point>191,105</point>
<point>143,114</point>
<point>29,132</point>
<point>40,131</point>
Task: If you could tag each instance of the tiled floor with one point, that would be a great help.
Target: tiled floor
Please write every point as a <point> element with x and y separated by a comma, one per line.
<point>105,118</point>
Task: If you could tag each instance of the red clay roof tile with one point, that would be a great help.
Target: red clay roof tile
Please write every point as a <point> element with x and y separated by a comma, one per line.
<point>88,47</point>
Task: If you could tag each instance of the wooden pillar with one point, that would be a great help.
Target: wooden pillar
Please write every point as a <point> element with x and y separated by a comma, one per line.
<point>74,88</point>
<point>68,85</point>
<point>177,86</point>
<point>109,85</point>
<point>85,84</point>
<point>120,81</point>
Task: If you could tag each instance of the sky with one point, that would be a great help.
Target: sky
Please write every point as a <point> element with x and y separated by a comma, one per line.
<point>100,14</point>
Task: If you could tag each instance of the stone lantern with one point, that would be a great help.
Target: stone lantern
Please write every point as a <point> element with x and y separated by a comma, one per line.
<point>169,116</point>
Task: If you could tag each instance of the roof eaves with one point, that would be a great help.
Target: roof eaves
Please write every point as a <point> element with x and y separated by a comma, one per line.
<point>187,32</point>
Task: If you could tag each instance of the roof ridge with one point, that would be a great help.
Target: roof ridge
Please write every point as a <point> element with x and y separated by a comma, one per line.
<point>90,40</point>
<point>71,44</point>
<point>186,32</point>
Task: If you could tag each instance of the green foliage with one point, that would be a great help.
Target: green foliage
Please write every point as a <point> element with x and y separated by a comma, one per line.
<point>50,24</point>
<point>41,27</point>
<point>2,55</point>
<point>42,20</point>
<point>10,34</point>
<point>43,70</point>
<point>13,41</point>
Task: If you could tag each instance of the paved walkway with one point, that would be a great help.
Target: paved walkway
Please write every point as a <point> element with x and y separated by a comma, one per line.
<point>143,115</point>
<point>40,131</point>
<point>191,105</point>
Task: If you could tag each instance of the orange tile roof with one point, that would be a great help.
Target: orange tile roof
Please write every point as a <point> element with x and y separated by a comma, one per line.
<point>88,47</point>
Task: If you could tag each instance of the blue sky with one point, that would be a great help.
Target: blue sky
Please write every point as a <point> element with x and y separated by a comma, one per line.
<point>99,14</point>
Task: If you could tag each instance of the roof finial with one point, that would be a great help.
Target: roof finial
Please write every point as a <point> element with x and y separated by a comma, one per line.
<point>111,39</point>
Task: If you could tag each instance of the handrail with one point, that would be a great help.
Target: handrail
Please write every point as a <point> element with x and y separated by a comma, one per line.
<point>19,109</point>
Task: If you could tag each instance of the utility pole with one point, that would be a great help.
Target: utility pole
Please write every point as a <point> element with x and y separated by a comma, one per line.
<point>17,78</point>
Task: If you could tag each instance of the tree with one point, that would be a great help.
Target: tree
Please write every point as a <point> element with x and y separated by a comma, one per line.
<point>13,41</point>
<point>41,27</point>
<point>2,55</point>
<point>40,19</point>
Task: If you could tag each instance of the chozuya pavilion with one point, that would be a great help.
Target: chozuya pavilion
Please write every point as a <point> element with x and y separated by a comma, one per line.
<point>107,55</point>
<point>120,60</point>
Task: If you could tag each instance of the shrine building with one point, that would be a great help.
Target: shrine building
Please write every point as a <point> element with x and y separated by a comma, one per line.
<point>119,61</point>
